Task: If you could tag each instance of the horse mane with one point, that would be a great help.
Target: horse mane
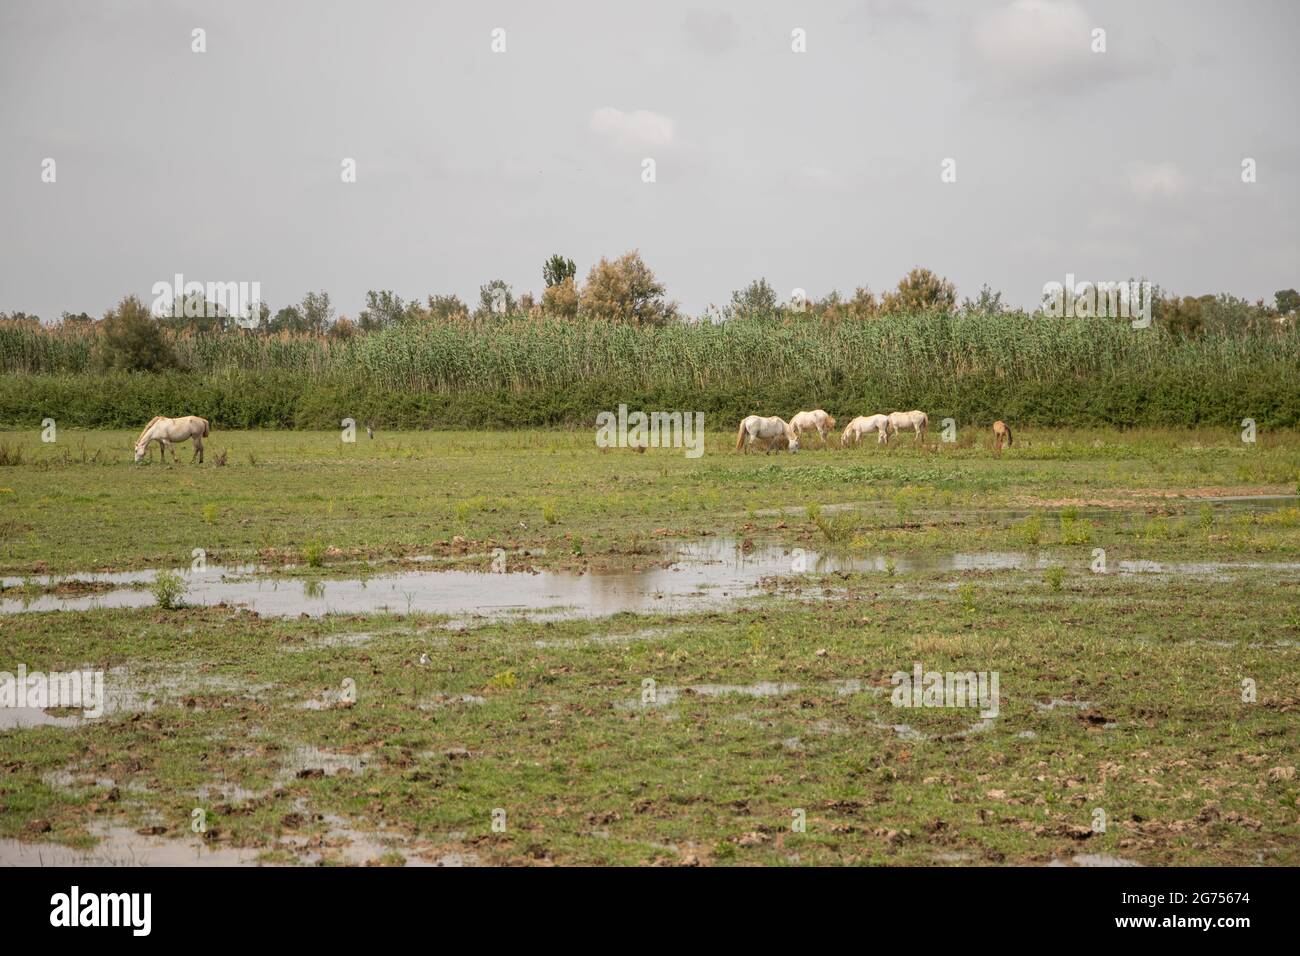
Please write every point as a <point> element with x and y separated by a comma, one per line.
<point>152,422</point>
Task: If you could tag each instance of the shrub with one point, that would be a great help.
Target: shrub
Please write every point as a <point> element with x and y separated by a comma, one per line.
<point>133,340</point>
<point>625,290</point>
<point>168,588</point>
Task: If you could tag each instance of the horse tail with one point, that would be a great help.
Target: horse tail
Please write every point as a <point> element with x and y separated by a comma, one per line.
<point>153,421</point>
<point>1008,428</point>
<point>740,436</point>
<point>205,427</point>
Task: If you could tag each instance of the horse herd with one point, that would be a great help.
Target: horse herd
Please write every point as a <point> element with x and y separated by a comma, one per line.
<point>774,432</point>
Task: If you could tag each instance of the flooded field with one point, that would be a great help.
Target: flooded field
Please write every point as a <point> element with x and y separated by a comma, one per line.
<point>696,576</point>
<point>672,664</point>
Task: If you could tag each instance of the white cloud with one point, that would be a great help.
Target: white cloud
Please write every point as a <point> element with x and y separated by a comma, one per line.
<point>634,130</point>
<point>1157,181</point>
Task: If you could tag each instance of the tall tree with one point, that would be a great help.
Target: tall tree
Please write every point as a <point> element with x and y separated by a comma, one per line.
<point>557,269</point>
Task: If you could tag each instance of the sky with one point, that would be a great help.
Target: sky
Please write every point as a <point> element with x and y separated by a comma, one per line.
<point>817,169</point>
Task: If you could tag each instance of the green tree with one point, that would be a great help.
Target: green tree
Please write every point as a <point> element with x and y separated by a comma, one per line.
<point>495,299</point>
<point>288,319</point>
<point>989,302</point>
<point>444,309</point>
<point>557,269</point>
<point>1182,316</point>
<point>756,300</point>
<point>383,309</point>
<point>317,311</point>
<point>133,339</point>
<point>1288,301</point>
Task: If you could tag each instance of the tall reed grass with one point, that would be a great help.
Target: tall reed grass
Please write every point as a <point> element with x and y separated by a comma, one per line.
<point>1084,371</point>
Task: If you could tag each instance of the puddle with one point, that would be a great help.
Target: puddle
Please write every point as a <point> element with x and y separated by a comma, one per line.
<point>307,762</point>
<point>704,575</point>
<point>20,718</point>
<point>1092,512</point>
<point>1095,859</point>
<point>121,846</point>
<point>666,696</point>
<point>130,691</point>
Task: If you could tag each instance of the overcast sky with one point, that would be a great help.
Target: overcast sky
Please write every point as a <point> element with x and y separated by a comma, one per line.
<point>817,170</point>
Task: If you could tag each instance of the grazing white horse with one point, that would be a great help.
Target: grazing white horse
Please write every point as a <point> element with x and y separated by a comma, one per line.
<point>864,425</point>
<point>167,431</point>
<point>816,421</point>
<point>915,419</point>
<point>756,427</point>
<point>1001,433</point>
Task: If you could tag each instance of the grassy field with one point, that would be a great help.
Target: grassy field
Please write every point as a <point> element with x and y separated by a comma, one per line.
<point>1120,693</point>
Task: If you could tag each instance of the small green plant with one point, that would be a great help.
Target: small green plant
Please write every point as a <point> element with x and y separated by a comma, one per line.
<point>966,594</point>
<point>1031,529</point>
<point>814,511</point>
<point>502,680</point>
<point>837,530</point>
<point>1074,531</point>
<point>313,553</point>
<point>168,588</point>
<point>1206,517</point>
<point>210,513</point>
<point>549,513</point>
<point>890,566</point>
<point>1054,576</point>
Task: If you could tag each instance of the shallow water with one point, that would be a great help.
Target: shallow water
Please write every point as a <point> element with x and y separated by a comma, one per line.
<point>121,846</point>
<point>702,575</point>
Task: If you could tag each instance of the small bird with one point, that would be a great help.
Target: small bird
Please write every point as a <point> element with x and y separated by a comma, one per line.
<point>370,431</point>
<point>424,660</point>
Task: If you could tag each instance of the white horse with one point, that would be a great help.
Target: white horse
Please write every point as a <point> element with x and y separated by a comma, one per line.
<point>915,419</point>
<point>166,431</point>
<point>769,430</point>
<point>864,425</point>
<point>816,421</point>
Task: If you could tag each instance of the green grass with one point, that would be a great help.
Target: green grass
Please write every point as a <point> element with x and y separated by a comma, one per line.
<point>544,720</point>
<point>80,504</point>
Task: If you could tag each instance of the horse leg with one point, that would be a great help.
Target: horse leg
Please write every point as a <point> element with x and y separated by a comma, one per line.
<point>198,450</point>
